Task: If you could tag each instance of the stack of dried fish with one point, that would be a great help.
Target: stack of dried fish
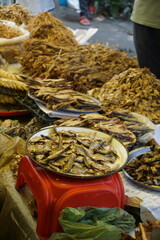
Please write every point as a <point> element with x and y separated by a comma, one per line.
<point>101,123</point>
<point>55,94</point>
<point>87,66</point>
<point>146,168</point>
<point>136,90</point>
<point>14,13</point>
<point>78,153</point>
<point>11,85</point>
<point>46,26</point>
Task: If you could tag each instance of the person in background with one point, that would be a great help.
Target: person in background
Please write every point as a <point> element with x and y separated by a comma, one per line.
<point>87,9</point>
<point>146,32</point>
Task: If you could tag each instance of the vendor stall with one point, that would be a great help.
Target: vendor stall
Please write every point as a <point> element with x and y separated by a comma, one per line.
<point>79,135</point>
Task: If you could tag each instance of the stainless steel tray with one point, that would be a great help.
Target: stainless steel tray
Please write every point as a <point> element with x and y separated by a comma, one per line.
<point>132,156</point>
<point>119,147</point>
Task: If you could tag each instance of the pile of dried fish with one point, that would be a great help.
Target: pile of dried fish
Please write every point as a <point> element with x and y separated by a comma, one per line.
<point>11,85</point>
<point>146,168</point>
<point>9,32</point>
<point>133,122</point>
<point>77,153</point>
<point>14,13</point>
<point>101,123</point>
<point>86,66</point>
<point>136,90</point>
<point>55,96</point>
<point>45,26</point>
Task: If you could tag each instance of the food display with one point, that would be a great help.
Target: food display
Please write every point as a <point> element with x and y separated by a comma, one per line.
<point>77,152</point>
<point>86,66</point>
<point>108,101</point>
<point>99,122</point>
<point>9,32</point>
<point>135,89</point>
<point>14,12</point>
<point>54,95</point>
<point>145,168</point>
<point>47,27</point>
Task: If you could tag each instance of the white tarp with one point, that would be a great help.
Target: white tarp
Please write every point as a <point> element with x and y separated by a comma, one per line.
<point>36,6</point>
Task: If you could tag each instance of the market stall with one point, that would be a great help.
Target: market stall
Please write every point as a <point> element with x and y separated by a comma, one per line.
<point>79,128</point>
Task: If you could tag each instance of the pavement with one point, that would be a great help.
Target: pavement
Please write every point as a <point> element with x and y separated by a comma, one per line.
<point>116,32</point>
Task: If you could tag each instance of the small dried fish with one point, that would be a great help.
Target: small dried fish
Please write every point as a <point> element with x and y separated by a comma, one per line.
<point>146,168</point>
<point>135,90</point>
<point>75,154</point>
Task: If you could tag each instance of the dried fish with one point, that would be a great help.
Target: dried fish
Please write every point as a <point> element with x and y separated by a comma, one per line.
<point>135,89</point>
<point>14,12</point>
<point>56,98</point>
<point>112,126</point>
<point>146,168</point>
<point>9,32</point>
<point>86,66</point>
<point>45,26</point>
<point>73,155</point>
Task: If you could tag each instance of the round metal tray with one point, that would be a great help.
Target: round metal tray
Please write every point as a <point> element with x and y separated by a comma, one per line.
<point>132,156</point>
<point>119,147</point>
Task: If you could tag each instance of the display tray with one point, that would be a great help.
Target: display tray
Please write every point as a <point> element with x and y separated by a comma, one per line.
<point>121,151</point>
<point>69,112</point>
<point>132,156</point>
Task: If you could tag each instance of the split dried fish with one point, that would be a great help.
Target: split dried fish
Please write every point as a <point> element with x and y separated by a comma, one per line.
<point>74,153</point>
<point>100,122</point>
<point>56,97</point>
<point>132,123</point>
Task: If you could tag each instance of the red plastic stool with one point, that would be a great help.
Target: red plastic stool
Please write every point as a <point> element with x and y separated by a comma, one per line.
<point>53,192</point>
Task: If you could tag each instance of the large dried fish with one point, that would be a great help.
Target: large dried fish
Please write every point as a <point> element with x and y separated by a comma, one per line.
<point>100,122</point>
<point>56,97</point>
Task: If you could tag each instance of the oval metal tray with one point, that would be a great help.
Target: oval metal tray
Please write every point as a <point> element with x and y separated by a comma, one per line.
<point>132,156</point>
<point>119,147</point>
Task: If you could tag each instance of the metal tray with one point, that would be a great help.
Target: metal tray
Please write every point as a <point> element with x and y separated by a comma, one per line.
<point>42,105</point>
<point>119,147</point>
<point>132,156</point>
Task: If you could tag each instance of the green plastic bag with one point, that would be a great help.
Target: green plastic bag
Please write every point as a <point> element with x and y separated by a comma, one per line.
<point>92,223</point>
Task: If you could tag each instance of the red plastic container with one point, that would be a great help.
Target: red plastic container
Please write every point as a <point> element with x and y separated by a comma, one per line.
<point>53,192</point>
